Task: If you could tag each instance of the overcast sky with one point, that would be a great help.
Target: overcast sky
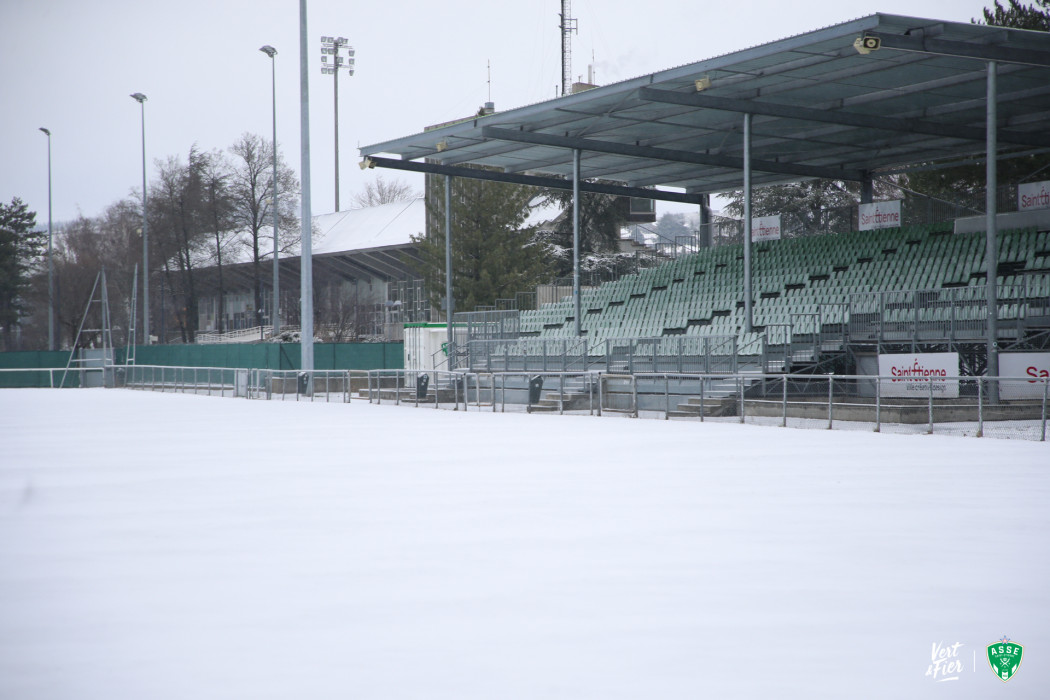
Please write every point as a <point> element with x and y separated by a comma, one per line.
<point>70,66</point>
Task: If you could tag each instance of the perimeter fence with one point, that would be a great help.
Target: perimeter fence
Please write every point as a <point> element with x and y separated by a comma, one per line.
<point>966,406</point>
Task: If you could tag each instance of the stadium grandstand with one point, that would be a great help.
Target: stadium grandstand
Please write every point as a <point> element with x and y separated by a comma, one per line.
<point>879,96</point>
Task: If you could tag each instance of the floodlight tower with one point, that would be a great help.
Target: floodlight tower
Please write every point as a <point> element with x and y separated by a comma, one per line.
<point>141,99</point>
<point>50,260</point>
<point>567,26</point>
<point>331,46</point>
<point>275,321</point>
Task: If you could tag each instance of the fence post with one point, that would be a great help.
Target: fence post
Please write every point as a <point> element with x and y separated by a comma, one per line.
<point>590,396</point>
<point>831,401</point>
<point>455,391</point>
<point>561,394</point>
<point>601,383</point>
<point>1046,383</point>
<point>502,393</point>
<point>784,386</point>
<point>398,377</point>
<point>878,403</point>
<point>980,406</point>
<point>929,430</point>
<point>369,386</point>
<point>702,383</point>
<point>740,386</point>
<point>667,395</point>
<point>634,393</point>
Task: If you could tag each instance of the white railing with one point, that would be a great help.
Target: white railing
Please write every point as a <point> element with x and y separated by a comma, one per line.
<point>244,335</point>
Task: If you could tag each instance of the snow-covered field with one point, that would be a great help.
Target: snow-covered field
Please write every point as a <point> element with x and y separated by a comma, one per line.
<point>170,546</point>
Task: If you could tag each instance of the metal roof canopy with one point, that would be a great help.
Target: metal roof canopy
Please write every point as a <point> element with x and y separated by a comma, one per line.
<point>819,109</point>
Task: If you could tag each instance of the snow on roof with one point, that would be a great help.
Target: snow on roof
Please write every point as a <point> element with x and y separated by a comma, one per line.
<point>381,226</point>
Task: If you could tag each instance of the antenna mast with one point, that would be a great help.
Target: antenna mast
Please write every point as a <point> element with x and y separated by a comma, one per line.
<point>568,26</point>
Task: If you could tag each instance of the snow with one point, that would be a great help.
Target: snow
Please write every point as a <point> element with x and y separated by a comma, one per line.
<point>381,226</point>
<point>174,546</point>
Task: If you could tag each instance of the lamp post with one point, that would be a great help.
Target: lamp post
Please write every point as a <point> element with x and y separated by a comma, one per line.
<point>330,46</point>
<point>50,260</point>
<point>141,99</point>
<point>276,320</point>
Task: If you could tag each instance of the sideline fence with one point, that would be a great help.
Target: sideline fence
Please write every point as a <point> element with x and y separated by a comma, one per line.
<point>975,406</point>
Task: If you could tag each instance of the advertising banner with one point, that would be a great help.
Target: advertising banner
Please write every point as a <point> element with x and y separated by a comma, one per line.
<point>765,228</point>
<point>1031,365</point>
<point>879,215</point>
<point>1033,195</point>
<point>910,374</point>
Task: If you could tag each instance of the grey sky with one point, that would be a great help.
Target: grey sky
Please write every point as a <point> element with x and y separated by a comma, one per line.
<point>70,66</point>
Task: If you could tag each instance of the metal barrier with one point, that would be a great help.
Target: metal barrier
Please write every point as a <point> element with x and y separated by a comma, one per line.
<point>947,405</point>
<point>1005,407</point>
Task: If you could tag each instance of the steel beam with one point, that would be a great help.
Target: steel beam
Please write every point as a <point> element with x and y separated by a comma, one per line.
<point>867,121</point>
<point>945,47</point>
<point>533,180</point>
<point>665,154</point>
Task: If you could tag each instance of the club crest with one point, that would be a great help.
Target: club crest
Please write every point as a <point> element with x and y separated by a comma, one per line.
<point>1004,657</point>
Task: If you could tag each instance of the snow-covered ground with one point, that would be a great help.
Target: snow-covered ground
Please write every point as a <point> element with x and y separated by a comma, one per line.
<point>160,546</point>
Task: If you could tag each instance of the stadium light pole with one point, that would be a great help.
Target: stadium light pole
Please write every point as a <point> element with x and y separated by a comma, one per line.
<point>276,320</point>
<point>141,99</point>
<point>50,259</point>
<point>306,269</point>
<point>330,46</point>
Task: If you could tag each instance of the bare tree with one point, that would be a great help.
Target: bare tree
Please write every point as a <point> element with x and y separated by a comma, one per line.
<point>252,199</point>
<point>177,217</point>
<point>382,192</point>
<point>217,202</point>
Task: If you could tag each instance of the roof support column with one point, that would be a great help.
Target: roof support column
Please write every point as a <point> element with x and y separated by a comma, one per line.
<point>576,236</point>
<point>747,223</point>
<point>990,253</point>
<point>449,306</point>
<point>706,234</point>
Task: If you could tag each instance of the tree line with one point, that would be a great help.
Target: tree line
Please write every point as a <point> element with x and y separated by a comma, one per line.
<point>206,211</point>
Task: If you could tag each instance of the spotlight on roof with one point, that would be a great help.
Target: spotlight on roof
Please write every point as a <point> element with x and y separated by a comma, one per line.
<point>366,163</point>
<point>702,84</point>
<point>866,44</point>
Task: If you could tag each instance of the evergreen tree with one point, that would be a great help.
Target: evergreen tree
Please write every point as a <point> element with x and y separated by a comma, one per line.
<point>1018,15</point>
<point>494,255</point>
<point>804,207</point>
<point>965,184</point>
<point>671,226</point>
<point>20,251</point>
<point>601,218</point>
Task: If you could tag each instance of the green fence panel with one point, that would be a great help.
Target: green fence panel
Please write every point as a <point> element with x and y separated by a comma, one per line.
<point>32,359</point>
<point>327,356</point>
<point>286,356</point>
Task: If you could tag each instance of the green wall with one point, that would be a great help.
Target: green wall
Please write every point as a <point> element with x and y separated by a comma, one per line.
<point>32,359</point>
<point>254,356</point>
<point>274,355</point>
